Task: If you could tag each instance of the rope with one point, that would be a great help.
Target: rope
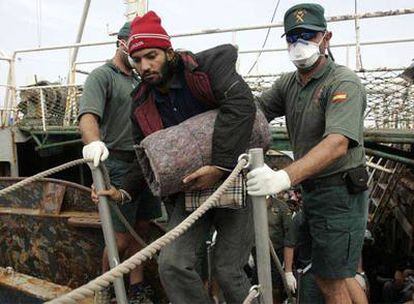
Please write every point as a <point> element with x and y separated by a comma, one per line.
<point>115,208</point>
<point>127,225</point>
<point>280,269</point>
<point>264,42</point>
<point>43,174</point>
<point>68,165</point>
<point>253,294</point>
<point>148,252</point>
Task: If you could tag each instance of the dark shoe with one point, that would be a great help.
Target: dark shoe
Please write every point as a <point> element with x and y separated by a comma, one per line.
<point>141,294</point>
<point>103,296</point>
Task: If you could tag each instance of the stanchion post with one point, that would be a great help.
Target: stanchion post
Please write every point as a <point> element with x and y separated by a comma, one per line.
<point>109,235</point>
<point>261,231</point>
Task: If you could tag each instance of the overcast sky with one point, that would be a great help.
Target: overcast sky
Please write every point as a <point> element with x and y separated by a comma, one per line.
<point>24,25</point>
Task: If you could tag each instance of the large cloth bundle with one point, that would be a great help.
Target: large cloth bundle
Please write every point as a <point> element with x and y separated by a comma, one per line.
<point>168,155</point>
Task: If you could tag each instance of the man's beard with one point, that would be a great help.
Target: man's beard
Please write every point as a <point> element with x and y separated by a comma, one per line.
<point>165,74</point>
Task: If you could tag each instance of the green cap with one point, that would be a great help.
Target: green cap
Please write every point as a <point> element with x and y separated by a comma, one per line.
<point>305,16</point>
<point>125,30</point>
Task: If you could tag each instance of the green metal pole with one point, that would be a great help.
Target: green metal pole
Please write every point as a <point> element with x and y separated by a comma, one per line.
<point>403,160</point>
<point>58,144</point>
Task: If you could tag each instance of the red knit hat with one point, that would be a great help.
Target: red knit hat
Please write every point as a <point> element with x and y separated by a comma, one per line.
<point>147,32</point>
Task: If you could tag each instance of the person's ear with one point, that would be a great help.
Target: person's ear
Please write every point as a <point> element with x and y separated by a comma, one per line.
<point>121,43</point>
<point>327,38</point>
<point>170,54</point>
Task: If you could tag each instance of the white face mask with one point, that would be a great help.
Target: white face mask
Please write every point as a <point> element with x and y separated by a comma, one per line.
<point>304,53</point>
<point>130,60</point>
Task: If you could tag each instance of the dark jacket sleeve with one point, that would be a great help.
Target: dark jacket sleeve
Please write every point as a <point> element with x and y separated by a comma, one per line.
<point>237,111</point>
<point>271,101</point>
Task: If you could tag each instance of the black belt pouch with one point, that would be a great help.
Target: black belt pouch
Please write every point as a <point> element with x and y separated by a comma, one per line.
<point>356,180</point>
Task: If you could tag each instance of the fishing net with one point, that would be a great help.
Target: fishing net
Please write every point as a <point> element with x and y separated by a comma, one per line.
<point>46,105</point>
<point>390,98</point>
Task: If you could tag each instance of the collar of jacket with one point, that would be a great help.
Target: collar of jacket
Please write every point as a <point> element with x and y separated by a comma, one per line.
<point>144,109</point>
<point>190,65</point>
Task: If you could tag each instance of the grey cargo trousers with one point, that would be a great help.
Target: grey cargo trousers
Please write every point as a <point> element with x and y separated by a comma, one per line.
<point>177,261</point>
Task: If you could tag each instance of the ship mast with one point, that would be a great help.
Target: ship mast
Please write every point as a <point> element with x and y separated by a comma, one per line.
<point>74,53</point>
<point>134,8</point>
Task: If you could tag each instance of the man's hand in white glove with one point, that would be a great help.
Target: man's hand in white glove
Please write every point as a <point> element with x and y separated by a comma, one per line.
<point>95,150</point>
<point>291,281</point>
<point>264,181</point>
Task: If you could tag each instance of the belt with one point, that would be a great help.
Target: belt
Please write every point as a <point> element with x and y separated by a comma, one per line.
<point>126,156</point>
<point>336,179</point>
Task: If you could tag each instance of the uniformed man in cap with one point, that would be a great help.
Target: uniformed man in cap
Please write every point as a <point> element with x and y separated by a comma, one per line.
<point>324,105</point>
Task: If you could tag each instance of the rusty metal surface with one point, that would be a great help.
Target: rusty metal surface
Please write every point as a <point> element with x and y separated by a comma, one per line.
<point>36,238</point>
<point>76,197</point>
<point>49,248</point>
<point>372,15</point>
<point>18,283</point>
<point>50,230</point>
<point>52,199</point>
<point>52,249</point>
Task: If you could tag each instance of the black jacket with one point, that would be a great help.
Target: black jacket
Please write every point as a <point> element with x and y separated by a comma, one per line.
<point>234,101</point>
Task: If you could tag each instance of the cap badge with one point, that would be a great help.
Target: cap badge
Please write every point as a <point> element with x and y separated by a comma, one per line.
<point>299,14</point>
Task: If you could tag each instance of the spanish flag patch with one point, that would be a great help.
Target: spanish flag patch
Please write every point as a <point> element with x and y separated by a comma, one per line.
<point>339,97</point>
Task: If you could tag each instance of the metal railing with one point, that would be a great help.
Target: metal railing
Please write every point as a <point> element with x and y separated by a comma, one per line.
<point>252,160</point>
<point>389,97</point>
<point>47,105</point>
<point>12,92</point>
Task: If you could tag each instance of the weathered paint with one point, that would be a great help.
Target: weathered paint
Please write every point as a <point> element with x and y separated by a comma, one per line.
<point>76,197</point>
<point>51,249</point>
<point>36,238</point>
<point>50,230</point>
<point>33,287</point>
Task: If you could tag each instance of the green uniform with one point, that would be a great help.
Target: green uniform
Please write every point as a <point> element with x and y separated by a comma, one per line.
<point>297,238</point>
<point>331,102</point>
<point>280,222</point>
<point>107,94</point>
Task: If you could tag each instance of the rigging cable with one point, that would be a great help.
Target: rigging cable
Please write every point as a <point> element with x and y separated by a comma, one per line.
<point>357,37</point>
<point>267,36</point>
<point>39,21</point>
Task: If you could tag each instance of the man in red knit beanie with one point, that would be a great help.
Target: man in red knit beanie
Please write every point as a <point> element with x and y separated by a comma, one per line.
<point>176,86</point>
<point>147,32</point>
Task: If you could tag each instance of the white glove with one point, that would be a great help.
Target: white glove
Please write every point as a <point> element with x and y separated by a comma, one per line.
<point>291,281</point>
<point>95,150</point>
<point>264,181</point>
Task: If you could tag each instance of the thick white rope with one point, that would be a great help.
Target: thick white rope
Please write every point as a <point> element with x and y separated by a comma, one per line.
<point>40,175</point>
<point>68,165</point>
<point>253,294</point>
<point>148,252</point>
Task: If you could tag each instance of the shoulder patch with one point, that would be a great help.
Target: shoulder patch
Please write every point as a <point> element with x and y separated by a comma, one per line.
<point>339,97</point>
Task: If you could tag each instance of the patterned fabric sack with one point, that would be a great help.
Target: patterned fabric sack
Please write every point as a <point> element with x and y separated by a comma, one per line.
<point>234,197</point>
<point>168,155</point>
